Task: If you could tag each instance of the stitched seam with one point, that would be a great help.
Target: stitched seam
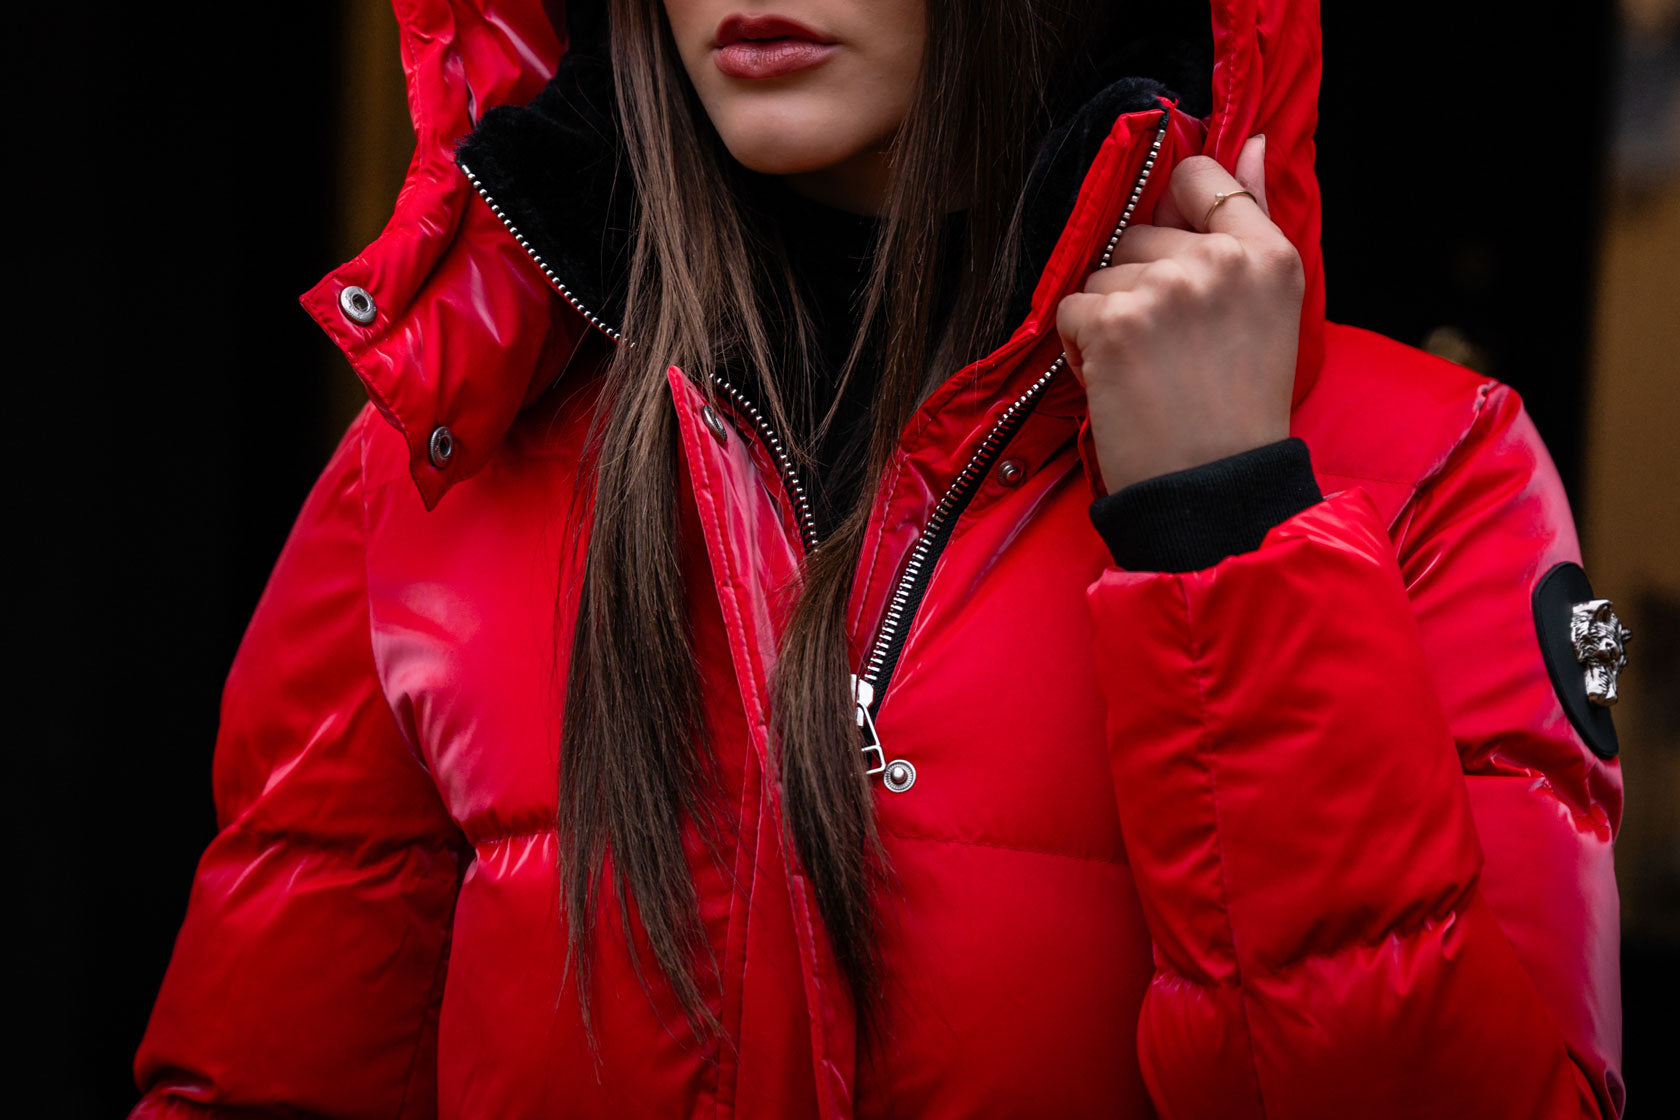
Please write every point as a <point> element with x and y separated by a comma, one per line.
<point>1478,408</point>
<point>1197,675</point>
<point>358,847</point>
<point>1107,860</point>
<point>800,906</point>
<point>1166,967</point>
<point>504,837</point>
<point>1457,905</point>
<point>1456,909</point>
<point>168,1094</point>
<point>1424,492</point>
<point>740,985</point>
<point>1541,785</point>
<point>707,501</point>
<point>1365,476</point>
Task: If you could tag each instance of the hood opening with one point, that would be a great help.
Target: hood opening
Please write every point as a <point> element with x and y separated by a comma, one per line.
<point>556,165</point>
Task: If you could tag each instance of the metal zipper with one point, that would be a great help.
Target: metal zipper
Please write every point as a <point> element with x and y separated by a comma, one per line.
<point>566,293</point>
<point>869,687</point>
<point>784,462</point>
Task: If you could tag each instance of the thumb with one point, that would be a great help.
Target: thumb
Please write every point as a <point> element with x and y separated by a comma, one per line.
<point>1251,170</point>
<point>1071,315</point>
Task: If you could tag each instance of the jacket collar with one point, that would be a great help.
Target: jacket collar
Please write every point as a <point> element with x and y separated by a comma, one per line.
<point>465,332</point>
<point>557,170</point>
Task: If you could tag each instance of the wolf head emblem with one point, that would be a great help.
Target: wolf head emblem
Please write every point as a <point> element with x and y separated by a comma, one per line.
<point>1600,642</point>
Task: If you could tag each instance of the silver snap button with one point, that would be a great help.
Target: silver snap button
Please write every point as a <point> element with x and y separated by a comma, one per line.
<point>357,305</point>
<point>900,776</point>
<point>1010,472</point>
<point>441,447</point>
<point>715,423</point>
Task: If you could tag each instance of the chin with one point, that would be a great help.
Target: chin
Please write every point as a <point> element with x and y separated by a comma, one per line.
<point>780,143</point>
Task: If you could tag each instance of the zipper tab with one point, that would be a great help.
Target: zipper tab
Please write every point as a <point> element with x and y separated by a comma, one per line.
<point>874,758</point>
<point>898,775</point>
<point>882,658</point>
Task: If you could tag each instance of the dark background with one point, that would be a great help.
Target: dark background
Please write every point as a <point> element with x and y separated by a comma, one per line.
<point>178,176</point>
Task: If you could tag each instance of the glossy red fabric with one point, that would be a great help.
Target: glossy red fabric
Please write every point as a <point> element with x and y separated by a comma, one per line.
<point>1303,834</point>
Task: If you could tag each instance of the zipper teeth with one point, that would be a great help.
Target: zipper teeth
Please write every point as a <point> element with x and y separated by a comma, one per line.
<point>932,536</point>
<point>932,532</point>
<point>784,463</point>
<point>594,320</point>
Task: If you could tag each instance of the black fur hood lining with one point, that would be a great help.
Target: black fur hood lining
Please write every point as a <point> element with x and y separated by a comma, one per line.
<point>556,169</point>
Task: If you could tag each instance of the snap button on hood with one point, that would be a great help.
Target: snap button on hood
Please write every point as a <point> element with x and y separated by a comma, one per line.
<point>441,447</point>
<point>357,305</point>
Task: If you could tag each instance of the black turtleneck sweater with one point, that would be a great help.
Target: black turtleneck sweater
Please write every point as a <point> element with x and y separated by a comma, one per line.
<point>1183,521</point>
<point>831,252</point>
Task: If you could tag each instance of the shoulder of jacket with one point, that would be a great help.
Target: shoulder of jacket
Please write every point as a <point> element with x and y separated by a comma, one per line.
<point>380,448</point>
<point>1391,418</point>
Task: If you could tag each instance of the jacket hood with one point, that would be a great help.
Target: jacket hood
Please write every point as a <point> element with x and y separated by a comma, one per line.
<point>463,331</point>
<point>558,170</point>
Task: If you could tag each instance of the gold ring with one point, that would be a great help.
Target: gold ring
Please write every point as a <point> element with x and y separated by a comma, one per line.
<point>1220,199</point>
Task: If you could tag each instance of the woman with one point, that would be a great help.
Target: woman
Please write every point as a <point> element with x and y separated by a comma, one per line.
<point>867,586</point>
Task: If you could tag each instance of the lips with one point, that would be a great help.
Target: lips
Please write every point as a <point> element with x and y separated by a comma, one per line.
<point>760,47</point>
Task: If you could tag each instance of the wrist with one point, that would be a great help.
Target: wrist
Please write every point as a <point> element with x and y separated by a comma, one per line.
<point>1193,518</point>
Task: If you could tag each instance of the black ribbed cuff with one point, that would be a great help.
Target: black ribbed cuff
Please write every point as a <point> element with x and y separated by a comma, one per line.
<point>1193,519</point>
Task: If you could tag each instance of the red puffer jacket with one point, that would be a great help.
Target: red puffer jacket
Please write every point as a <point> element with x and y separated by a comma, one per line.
<point>1317,831</point>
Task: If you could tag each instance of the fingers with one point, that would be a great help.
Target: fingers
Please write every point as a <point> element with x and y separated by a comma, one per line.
<point>1152,243</point>
<point>1166,214</point>
<point>1198,182</point>
<point>1117,278</point>
<point>1250,173</point>
<point>1251,170</point>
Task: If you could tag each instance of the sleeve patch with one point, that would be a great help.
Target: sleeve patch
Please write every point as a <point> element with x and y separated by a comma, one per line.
<point>1584,646</point>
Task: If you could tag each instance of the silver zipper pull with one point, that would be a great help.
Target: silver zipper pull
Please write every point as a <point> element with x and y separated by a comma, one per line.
<point>898,775</point>
<point>874,758</point>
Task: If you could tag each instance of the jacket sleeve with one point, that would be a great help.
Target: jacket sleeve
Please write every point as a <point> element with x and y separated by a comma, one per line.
<point>306,976</point>
<point>1373,854</point>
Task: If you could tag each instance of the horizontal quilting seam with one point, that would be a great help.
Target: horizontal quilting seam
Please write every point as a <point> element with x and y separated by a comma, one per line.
<point>359,847</point>
<point>1164,967</point>
<point>505,837</point>
<point>175,1106</point>
<point>1282,972</point>
<point>1540,785</point>
<point>1457,905</point>
<point>1344,476</point>
<point>1023,848</point>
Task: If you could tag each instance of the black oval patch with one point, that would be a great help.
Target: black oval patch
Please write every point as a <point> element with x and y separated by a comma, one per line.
<point>1554,599</point>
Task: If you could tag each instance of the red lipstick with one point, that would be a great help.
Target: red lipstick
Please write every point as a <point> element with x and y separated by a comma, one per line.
<point>768,47</point>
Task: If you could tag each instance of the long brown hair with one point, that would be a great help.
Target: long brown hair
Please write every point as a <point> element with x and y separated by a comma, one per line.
<point>705,282</point>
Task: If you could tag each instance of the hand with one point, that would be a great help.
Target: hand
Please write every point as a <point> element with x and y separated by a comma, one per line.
<point>1186,346</point>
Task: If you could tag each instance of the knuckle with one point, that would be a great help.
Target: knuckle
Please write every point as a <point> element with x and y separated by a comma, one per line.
<point>1167,276</point>
<point>1073,312</point>
<point>1280,258</point>
<point>1120,321</point>
<point>1104,281</point>
<point>1115,317</point>
<point>1222,251</point>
